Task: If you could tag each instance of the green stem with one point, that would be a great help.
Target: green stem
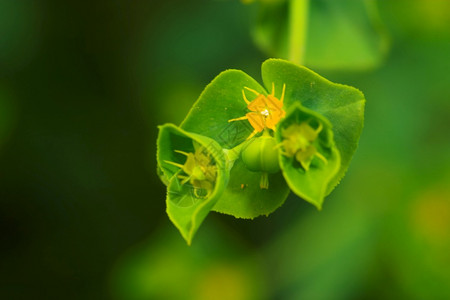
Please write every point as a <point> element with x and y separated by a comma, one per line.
<point>298,23</point>
<point>264,181</point>
<point>234,153</point>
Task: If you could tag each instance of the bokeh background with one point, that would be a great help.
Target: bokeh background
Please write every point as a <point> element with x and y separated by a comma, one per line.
<point>83,86</point>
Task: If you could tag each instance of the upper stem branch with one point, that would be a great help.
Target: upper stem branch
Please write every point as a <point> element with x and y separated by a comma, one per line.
<point>298,25</point>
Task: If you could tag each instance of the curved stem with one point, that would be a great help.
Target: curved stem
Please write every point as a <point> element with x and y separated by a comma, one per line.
<point>298,25</point>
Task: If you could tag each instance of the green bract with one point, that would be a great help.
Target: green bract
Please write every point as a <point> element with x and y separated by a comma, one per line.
<point>309,157</point>
<point>196,168</point>
<point>212,161</point>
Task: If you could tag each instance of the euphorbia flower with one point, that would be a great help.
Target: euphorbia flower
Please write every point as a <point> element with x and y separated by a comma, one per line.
<point>266,111</point>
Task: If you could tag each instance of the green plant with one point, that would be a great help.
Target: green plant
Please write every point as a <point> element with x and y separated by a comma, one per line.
<point>241,157</point>
<point>325,34</point>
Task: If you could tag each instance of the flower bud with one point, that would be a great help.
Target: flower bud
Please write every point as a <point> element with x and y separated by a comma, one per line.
<point>261,155</point>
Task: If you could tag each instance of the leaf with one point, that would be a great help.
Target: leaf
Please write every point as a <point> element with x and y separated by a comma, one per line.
<point>188,205</point>
<point>311,183</point>
<point>243,197</point>
<point>344,34</point>
<point>221,101</point>
<point>341,105</point>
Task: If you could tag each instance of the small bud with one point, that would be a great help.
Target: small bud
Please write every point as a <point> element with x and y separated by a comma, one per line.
<point>261,155</point>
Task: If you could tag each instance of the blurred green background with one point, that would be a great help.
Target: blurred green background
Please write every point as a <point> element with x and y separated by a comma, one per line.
<point>83,87</point>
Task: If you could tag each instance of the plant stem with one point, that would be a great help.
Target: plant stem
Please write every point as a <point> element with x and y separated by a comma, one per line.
<point>298,23</point>
<point>264,182</point>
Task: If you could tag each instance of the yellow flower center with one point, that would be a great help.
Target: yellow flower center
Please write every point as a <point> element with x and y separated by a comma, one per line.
<point>266,111</point>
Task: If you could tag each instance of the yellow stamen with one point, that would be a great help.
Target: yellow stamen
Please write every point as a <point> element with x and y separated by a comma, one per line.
<point>251,90</point>
<point>174,164</point>
<point>245,98</point>
<point>282,93</point>
<point>182,152</point>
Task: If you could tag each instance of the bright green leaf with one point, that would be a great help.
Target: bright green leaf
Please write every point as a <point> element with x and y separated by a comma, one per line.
<point>196,168</point>
<point>307,175</point>
<point>219,102</point>
<point>342,105</point>
<point>243,197</point>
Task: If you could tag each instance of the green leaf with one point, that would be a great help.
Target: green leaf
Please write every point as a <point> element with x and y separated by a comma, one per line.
<point>243,197</point>
<point>309,182</point>
<point>221,101</point>
<point>341,105</point>
<point>189,201</point>
<point>344,34</point>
